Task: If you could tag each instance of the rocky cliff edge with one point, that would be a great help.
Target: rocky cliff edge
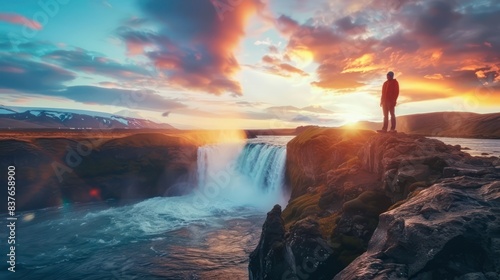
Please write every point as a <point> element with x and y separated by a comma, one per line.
<point>382,206</point>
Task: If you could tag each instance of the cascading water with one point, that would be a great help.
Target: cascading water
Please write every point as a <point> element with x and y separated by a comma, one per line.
<point>250,174</point>
<point>264,164</point>
<point>207,234</point>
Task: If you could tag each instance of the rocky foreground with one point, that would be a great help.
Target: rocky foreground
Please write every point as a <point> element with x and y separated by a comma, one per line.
<point>382,206</point>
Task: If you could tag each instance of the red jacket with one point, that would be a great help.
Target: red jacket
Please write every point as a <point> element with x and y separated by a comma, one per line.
<point>390,92</point>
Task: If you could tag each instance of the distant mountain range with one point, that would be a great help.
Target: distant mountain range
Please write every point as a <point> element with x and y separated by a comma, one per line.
<point>70,120</point>
<point>446,124</point>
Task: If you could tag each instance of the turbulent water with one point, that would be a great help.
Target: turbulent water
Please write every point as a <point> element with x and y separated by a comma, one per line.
<point>207,234</point>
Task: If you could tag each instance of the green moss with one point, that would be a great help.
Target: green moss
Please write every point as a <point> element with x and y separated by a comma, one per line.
<point>368,202</point>
<point>301,207</point>
<point>354,205</point>
<point>328,224</point>
<point>347,248</point>
<point>362,210</point>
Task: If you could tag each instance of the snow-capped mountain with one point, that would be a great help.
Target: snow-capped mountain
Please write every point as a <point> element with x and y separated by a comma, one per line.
<point>70,120</point>
<point>4,110</point>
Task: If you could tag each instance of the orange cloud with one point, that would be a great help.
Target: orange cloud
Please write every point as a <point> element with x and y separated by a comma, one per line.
<point>415,89</point>
<point>194,48</point>
<point>364,63</point>
<point>435,50</point>
<point>337,81</point>
<point>434,77</point>
<point>21,20</point>
<point>276,66</point>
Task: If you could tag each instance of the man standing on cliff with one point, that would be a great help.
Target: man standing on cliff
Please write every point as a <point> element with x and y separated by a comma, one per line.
<point>390,93</point>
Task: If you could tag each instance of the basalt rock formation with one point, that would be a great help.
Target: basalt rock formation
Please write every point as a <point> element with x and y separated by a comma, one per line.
<point>382,206</point>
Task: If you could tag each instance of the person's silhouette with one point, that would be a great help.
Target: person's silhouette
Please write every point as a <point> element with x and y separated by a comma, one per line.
<point>390,93</point>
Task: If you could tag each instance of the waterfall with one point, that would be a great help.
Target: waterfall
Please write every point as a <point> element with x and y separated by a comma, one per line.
<point>251,173</point>
<point>264,164</point>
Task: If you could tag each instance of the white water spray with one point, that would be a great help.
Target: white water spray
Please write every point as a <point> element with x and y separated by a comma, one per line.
<point>251,174</point>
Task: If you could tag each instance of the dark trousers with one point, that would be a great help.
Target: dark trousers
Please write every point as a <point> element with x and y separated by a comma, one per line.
<point>389,109</point>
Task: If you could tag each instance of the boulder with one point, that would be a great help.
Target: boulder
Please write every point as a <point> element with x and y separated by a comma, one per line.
<point>310,255</point>
<point>301,254</point>
<point>448,231</point>
<point>268,260</point>
<point>450,172</point>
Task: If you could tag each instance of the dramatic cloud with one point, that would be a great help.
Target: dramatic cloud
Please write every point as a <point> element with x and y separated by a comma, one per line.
<point>12,44</point>
<point>287,25</point>
<point>346,25</point>
<point>432,21</point>
<point>328,46</point>
<point>330,78</point>
<point>30,77</point>
<point>278,67</point>
<point>159,55</point>
<point>25,75</point>
<point>21,20</point>
<point>453,46</point>
<point>137,40</point>
<point>195,44</point>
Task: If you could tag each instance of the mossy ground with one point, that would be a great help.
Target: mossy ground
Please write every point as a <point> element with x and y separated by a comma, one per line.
<point>300,208</point>
<point>327,224</point>
<point>369,203</point>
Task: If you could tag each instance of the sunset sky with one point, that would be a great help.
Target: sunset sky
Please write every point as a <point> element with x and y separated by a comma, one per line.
<point>249,63</point>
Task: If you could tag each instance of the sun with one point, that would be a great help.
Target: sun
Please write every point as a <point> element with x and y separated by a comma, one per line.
<point>302,57</point>
<point>353,118</point>
<point>352,125</point>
